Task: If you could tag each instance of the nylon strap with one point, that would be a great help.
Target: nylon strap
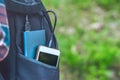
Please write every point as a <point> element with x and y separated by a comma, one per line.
<point>24,6</point>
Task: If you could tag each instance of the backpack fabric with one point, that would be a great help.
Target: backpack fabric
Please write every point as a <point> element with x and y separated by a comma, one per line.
<point>16,66</point>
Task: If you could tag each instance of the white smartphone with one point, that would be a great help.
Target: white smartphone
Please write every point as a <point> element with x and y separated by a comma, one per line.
<point>48,55</point>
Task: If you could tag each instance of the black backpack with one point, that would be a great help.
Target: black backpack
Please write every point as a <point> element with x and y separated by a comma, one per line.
<point>16,66</point>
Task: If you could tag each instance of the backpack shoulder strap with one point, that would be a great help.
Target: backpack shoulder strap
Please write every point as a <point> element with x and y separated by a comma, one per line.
<point>24,6</point>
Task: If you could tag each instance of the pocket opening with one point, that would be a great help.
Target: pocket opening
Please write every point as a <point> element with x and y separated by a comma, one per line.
<point>29,69</point>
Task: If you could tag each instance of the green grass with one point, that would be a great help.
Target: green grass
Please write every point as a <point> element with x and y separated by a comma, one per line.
<point>88,37</point>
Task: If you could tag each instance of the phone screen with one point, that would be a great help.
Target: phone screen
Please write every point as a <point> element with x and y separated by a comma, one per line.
<point>48,58</point>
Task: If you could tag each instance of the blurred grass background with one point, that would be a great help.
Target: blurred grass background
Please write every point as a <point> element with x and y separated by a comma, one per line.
<point>88,33</point>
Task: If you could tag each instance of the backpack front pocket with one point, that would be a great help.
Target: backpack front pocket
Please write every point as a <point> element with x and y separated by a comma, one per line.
<point>30,69</point>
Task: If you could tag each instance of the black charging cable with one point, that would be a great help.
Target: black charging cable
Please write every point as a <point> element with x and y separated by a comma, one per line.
<point>28,26</point>
<point>54,26</point>
<point>55,19</point>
